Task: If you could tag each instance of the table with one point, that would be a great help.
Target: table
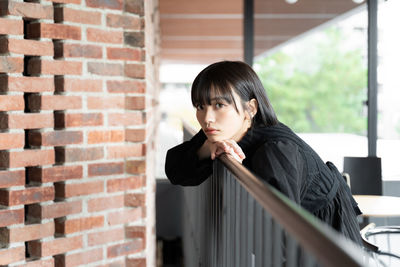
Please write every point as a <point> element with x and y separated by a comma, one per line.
<point>378,206</point>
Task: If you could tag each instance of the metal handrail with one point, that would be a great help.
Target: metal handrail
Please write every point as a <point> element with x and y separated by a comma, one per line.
<point>326,245</point>
<point>329,248</point>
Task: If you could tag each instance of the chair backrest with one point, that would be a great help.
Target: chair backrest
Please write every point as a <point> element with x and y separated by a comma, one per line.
<point>365,175</point>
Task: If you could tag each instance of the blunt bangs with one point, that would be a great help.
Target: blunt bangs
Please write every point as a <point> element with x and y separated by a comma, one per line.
<point>207,87</point>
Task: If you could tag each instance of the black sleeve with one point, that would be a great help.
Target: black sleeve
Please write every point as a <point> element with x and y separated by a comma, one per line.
<point>182,164</point>
<point>280,164</point>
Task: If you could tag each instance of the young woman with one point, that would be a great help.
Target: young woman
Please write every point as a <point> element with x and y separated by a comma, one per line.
<point>236,117</point>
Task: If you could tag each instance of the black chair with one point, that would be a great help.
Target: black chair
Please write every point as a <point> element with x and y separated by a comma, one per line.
<point>365,175</point>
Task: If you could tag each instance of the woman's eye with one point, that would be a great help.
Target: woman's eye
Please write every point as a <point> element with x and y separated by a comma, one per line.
<point>219,105</point>
<point>199,107</point>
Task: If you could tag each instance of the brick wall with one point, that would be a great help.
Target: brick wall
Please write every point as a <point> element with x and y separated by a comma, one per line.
<point>78,98</point>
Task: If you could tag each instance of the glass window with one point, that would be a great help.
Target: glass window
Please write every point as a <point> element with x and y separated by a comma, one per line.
<point>312,60</point>
<point>388,146</point>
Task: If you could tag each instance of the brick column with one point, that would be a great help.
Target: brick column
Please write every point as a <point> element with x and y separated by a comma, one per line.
<point>78,84</point>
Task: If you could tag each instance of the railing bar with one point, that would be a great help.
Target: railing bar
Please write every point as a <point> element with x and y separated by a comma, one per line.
<point>237,225</point>
<point>277,248</point>
<point>267,236</point>
<point>232,236</point>
<point>291,252</point>
<point>258,235</point>
<point>306,229</point>
<point>250,229</point>
<point>225,224</point>
<point>213,226</point>
<point>220,197</point>
<point>243,227</point>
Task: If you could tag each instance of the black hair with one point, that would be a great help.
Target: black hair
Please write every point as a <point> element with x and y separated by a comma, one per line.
<point>222,77</point>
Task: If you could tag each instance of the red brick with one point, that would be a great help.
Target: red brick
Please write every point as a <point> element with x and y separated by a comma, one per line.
<point>104,36</point>
<point>125,151</point>
<point>123,184</point>
<point>54,67</point>
<point>54,102</point>
<point>76,15</point>
<point>55,138</point>
<point>105,203</point>
<point>135,71</point>
<point>123,53</point>
<point>77,85</point>
<point>36,157</point>
<point>78,50</point>
<point>38,263</point>
<point>109,4</point>
<point>78,119</point>
<point>67,1</point>
<point>136,166</point>
<point>105,69</point>
<point>108,236</point>
<point>135,135</point>
<point>101,169</point>
<point>26,233</point>
<point>11,217</point>
<point>69,226</point>
<point>134,39</point>
<point>12,140</point>
<point>107,102</point>
<point>135,200</point>
<point>11,178</point>
<point>26,47</point>
<point>26,121</point>
<point>53,31</point>
<point>134,6</point>
<point>125,119</point>
<point>135,102</point>
<point>115,263</point>
<point>55,174</point>
<point>71,154</point>
<point>11,64</point>
<point>126,86</point>
<point>79,259</point>
<point>54,247</point>
<point>29,10</point>
<point>135,262</point>
<point>12,26</point>
<point>123,21</point>
<point>127,248</point>
<point>112,136</point>
<point>26,196</point>
<point>10,255</point>
<point>26,84</point>
<point>72,190</point>
<point>135,232</point>
<point>54,210</point>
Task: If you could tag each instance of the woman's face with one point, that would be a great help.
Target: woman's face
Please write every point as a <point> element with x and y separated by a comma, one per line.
<point>221,121</point>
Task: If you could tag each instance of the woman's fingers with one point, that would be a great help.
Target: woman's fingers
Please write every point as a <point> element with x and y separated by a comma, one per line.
<point>236,148</point>
<point>227,146</point>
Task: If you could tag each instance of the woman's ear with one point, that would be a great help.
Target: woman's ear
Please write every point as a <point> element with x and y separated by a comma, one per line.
<point>252,106</point>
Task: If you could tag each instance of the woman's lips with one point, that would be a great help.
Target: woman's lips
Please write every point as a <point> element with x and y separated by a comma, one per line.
<point>211,131</point>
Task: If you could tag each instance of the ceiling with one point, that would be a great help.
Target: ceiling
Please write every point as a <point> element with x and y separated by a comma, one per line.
<point>205,31</point>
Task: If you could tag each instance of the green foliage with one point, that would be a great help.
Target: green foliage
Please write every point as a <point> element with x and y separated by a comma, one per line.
<point>318,88</point>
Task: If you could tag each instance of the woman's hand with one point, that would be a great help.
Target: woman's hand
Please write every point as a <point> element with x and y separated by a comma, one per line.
<point>229,147</point>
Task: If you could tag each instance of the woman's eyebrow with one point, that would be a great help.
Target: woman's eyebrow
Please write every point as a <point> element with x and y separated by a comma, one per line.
<point>219,98</point>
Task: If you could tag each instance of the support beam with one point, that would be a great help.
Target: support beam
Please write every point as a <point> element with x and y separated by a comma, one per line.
<point>372,76</point>
<point>248,31</point>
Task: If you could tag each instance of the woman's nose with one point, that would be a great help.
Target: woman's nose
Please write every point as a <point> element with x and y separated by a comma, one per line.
<point>209,116</point>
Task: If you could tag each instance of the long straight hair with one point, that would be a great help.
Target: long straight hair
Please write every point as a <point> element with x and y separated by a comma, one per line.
<point>221,78</point>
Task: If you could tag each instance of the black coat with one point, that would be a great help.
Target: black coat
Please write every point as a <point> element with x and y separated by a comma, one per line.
<point>282,159</point>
